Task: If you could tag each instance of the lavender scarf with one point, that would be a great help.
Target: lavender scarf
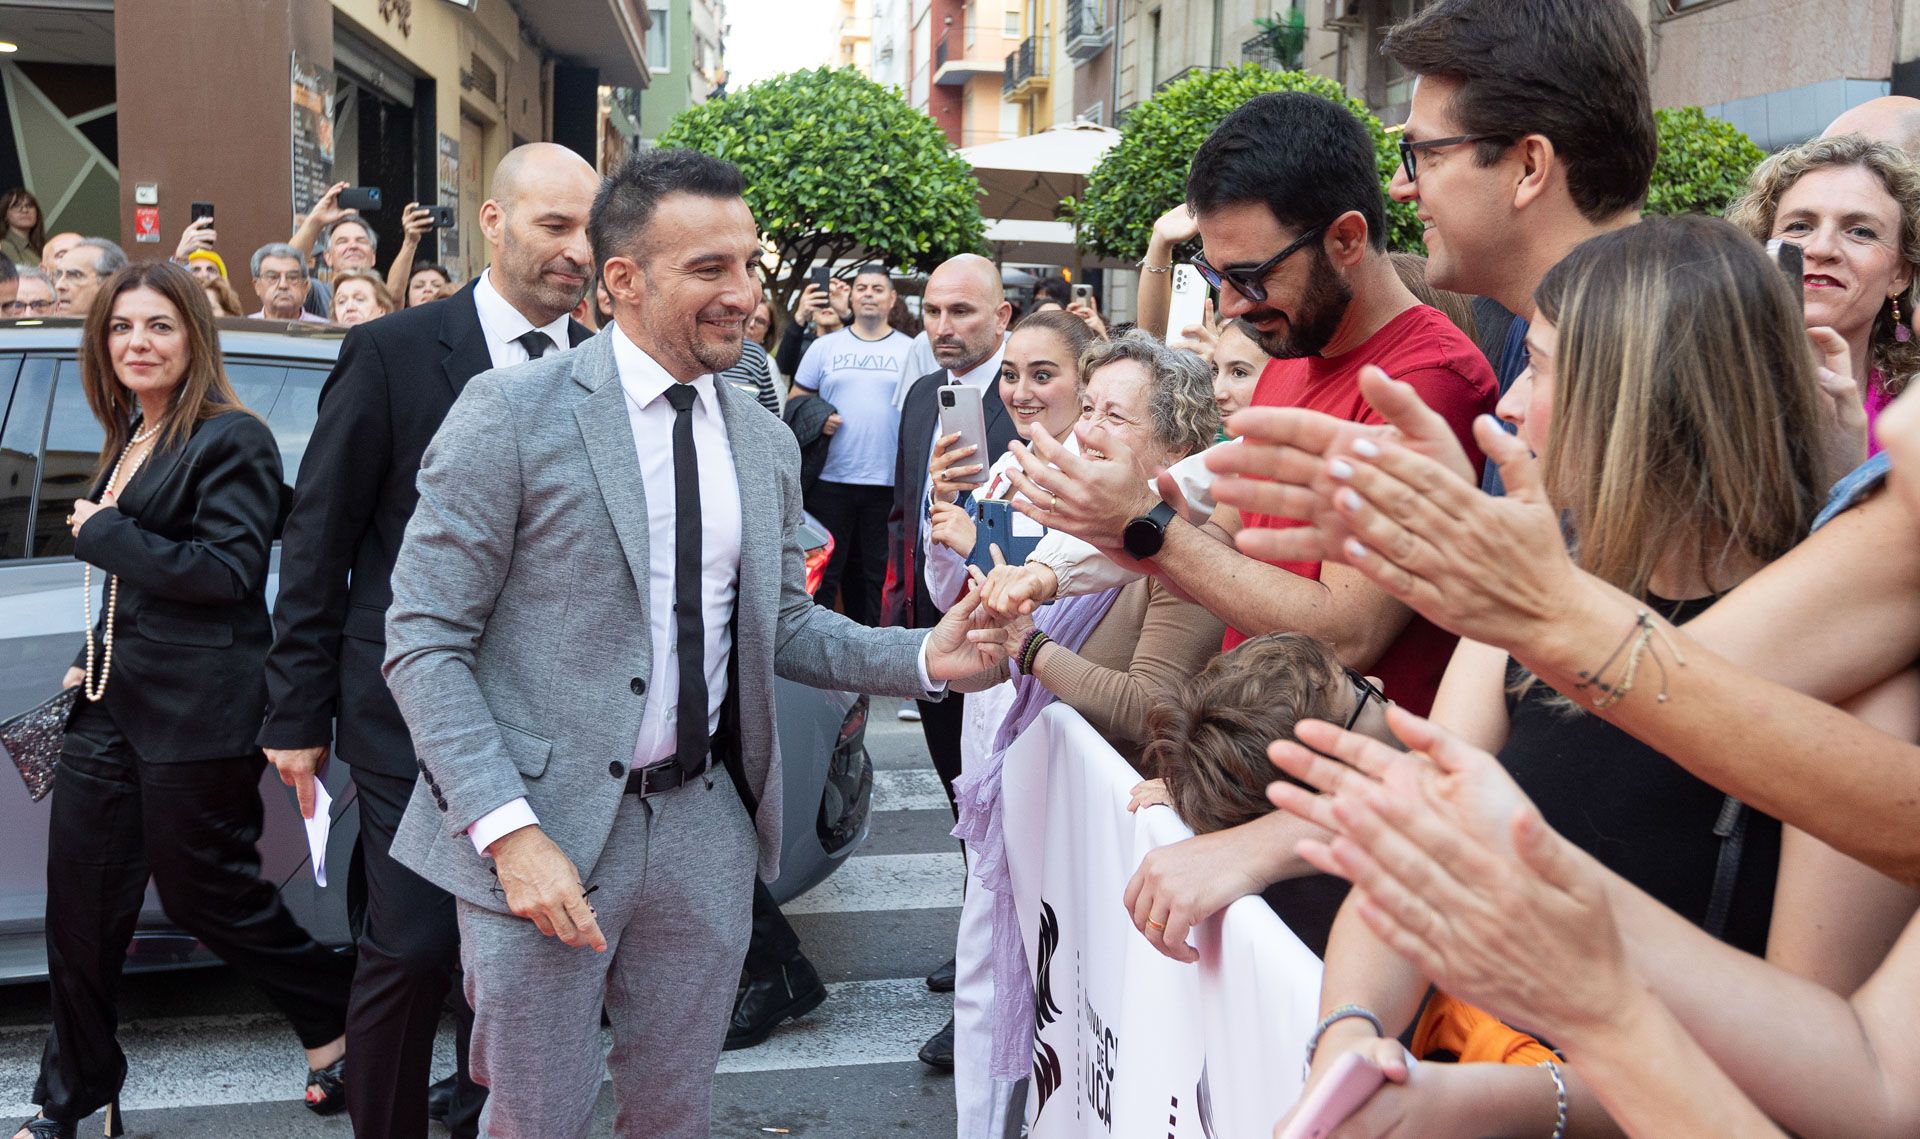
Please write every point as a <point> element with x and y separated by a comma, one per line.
<point>982,827</point>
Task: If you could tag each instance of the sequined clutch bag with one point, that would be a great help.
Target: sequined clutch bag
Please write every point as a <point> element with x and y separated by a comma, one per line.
<point>34,737</point>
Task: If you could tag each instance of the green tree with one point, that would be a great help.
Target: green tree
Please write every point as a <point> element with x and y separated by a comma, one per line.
<point>1145,174</point>
<point>837,165</point>
<point>1703,165</point>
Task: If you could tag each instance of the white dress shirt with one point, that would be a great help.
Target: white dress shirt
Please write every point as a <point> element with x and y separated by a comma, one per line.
<point>651,417</point>
<point>502,323</point>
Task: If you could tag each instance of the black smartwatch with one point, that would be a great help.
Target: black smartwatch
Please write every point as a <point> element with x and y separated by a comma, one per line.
<point>1144,536</point>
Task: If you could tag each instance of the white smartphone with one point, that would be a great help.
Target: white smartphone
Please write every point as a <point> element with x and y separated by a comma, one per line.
<point>961,410</point>
<point>1189,305</point>
<point>1352,1081</point>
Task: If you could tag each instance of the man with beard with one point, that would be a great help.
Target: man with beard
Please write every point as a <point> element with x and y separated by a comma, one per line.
<point>395,381</point>
<point>1293,231</point>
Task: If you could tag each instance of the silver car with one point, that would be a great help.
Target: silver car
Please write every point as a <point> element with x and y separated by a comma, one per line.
<point>49,445</point>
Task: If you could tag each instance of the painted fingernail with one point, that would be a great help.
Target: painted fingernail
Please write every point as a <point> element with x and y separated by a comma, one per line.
<point>1349,500</point>
<point>1340,469</point>
<point>1366,448</point>
<point>1354,549</point>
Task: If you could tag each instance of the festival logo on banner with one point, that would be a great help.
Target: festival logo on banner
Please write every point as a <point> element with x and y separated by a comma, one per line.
<point>1046,1062</point>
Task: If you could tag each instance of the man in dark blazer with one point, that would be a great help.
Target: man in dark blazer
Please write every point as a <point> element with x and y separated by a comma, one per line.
<point>394,382</point>
<point>965,312</point>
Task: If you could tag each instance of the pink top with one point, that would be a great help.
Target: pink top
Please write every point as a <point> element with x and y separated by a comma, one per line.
<point>1877,401</point>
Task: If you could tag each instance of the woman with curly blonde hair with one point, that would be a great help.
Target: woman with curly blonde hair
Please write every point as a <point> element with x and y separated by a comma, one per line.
<point>1853,207</point>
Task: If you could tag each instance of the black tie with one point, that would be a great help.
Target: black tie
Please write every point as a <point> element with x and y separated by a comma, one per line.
<point>689,623</point>
<point>536,343</point>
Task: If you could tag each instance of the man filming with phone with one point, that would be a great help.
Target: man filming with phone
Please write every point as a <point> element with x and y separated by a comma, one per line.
<point>347,241</point>
<point>856,370</point>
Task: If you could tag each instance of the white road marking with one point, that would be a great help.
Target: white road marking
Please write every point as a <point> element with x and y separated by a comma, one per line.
<point>908,791</point>
<point>886,882</point>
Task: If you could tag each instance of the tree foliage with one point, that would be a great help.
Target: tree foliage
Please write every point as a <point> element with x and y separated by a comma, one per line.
<point>835,166</point>
<point>1704,163</point>
<point>1145,173</point>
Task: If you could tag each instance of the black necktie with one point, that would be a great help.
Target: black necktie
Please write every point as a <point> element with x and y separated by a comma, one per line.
<point>689,623</point>
<point>536,343</point>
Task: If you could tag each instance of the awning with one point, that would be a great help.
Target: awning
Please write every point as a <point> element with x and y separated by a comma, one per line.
<point>1039,243</point>
<point>1025,178</point>
<point>608,35</point>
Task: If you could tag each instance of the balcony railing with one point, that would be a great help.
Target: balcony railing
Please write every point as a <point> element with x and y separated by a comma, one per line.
<point>1087,31</point>
<point>1027,68</point>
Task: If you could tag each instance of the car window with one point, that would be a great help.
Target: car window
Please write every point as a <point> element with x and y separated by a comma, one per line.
<point>74,439</point>
<point>257,384</point>
<point>17,462</point>
<point>293,415</point>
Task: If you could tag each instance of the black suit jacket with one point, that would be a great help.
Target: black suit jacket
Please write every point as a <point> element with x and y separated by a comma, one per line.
<point>393,383</point>
<point>906,601</point>
<point>190,543</point>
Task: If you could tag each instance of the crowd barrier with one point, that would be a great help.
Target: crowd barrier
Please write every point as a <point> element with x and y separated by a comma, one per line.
<point>1130,1043</point>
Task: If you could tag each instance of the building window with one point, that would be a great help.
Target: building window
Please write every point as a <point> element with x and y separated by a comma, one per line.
<point>970,21</point>
<point>1011,29</point>
<point>659,42</point>
<point>1153,48</point>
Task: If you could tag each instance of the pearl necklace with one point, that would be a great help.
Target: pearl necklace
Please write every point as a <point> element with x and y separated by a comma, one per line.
<point>95,693</point>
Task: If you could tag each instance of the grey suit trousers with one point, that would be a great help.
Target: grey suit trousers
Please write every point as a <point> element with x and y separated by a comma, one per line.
<point>674,896</point>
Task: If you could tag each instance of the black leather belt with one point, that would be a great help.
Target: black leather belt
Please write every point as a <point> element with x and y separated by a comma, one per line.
<point>665,775</point>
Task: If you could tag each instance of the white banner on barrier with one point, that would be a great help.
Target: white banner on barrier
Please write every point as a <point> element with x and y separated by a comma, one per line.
<point>1131,1043</point>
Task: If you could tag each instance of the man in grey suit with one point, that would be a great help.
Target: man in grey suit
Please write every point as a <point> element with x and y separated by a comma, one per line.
<point>594,595</point>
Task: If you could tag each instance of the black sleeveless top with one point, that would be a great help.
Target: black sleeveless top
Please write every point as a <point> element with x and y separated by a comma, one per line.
<point>1641,814</point>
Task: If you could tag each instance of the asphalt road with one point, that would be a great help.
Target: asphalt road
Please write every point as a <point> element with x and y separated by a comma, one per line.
<point>208,1055</point>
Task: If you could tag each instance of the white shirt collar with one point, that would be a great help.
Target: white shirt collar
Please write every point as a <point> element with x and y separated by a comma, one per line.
<point>981,374</point>
<point>505,324</point>
<point>645,381</point>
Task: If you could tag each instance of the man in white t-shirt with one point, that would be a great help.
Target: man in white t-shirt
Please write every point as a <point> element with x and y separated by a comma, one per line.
<point>856,370</point>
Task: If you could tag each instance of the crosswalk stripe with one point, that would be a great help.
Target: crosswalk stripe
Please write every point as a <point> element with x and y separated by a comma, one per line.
<point>862,1022</point>
<point>908,791</point>
<point>886,882</point>
<point>205,1061</point>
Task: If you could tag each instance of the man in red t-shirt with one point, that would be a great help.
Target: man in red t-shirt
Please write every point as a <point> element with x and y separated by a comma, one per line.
<point>1291,213</point>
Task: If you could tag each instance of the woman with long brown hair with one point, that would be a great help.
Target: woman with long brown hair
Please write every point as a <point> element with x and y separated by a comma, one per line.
<point>1673,402</point>
<point>25,232</point>
<point>158,772</point>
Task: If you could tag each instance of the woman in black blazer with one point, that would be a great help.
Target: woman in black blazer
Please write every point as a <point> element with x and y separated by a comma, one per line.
<point>159,773</point>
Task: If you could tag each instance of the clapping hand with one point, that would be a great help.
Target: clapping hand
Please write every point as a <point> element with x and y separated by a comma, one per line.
<point>1093,500</point>
<point>1460,874</point>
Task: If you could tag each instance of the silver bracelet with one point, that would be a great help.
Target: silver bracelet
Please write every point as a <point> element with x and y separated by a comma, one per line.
<point>1559,1099</point>
<point>1154,268</point>
<point>1344,1012</point>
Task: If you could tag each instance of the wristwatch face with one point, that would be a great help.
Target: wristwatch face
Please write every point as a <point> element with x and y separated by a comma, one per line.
<point>1143,537</point>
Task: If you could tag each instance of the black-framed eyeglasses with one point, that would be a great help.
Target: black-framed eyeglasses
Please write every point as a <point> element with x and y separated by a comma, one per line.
<point>1408,150</point>
<point>1363,691</point>
<point>1252,283</point>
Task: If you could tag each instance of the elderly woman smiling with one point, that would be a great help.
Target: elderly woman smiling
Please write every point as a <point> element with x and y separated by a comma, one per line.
<point>1108,656</point>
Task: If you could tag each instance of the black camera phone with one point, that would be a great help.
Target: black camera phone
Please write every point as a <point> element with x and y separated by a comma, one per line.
<point>200,210</point>
<point>359,198</point>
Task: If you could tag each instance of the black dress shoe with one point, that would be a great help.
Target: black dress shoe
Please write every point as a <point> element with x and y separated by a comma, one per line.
<point>440,1098</point>
<point>937,1052</point>
<point>941,979</point>
<point>793,990</point>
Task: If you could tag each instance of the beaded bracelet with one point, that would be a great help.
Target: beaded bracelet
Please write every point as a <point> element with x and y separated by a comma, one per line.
<point>1030,650</point>
<point>1559,1099</point>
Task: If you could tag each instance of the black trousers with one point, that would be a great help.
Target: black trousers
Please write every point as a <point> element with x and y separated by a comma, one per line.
<point>194,827</point>
<point>857,517</point>
<point>941,723</point>
<point>774,943</point>
<point>409,959</point>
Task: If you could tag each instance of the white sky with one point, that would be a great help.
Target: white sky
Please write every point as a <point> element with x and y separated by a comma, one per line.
<point>774,36</point>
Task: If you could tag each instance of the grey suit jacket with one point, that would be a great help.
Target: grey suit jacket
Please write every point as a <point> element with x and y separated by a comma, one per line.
<point>518,642</point>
